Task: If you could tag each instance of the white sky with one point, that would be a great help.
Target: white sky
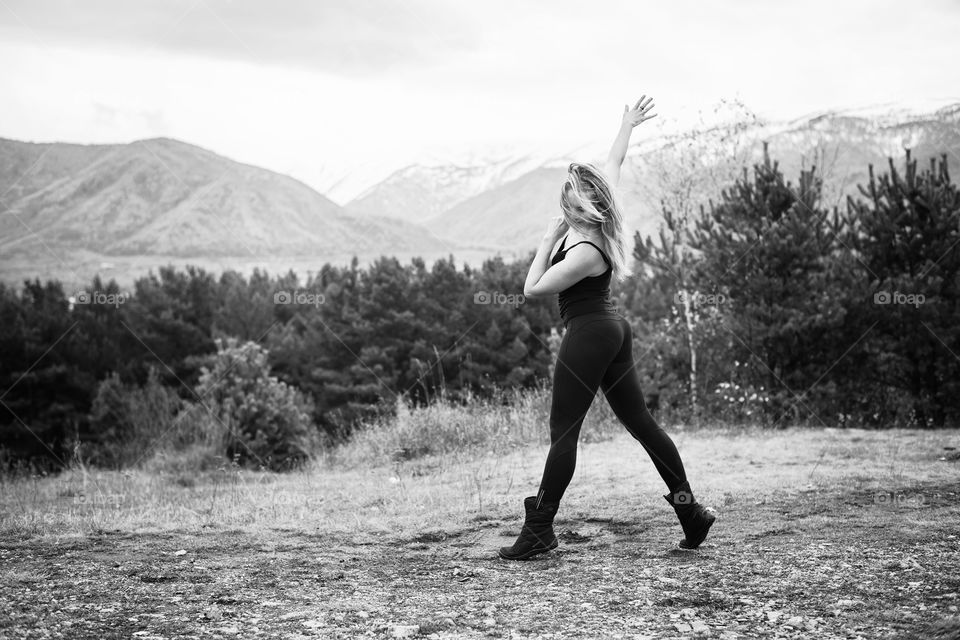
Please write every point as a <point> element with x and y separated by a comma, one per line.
<point>316,88</point>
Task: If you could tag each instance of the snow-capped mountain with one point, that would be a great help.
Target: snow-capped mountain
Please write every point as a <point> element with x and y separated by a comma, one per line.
<point>434,185</point>
<point>503,205</point>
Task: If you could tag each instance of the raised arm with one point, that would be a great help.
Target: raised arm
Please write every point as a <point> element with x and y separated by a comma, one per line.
<point>631,118</point>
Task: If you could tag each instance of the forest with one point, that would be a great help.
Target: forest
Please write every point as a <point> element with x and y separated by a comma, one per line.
<point>766,308</point>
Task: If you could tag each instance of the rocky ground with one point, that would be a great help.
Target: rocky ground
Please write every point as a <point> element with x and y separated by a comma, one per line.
<point>816,538</point>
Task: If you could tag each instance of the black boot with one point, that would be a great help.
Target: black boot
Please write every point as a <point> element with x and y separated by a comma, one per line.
<point>694,517</point>
<point>536,536</point>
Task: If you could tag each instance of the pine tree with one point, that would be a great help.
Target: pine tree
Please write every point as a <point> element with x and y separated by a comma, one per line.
<point>779,263</point>
<point>906,231</point>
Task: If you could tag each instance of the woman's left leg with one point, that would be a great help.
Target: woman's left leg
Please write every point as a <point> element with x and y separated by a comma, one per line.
<point>621,385</point>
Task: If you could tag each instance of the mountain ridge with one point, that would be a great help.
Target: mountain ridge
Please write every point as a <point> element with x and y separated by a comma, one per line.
<point>165,197</point>
<point>843,144</point>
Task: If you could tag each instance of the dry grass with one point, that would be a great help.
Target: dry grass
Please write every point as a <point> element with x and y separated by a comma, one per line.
<point>374,483</point>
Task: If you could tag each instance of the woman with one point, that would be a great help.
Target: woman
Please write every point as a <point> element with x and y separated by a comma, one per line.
<point>596,350</point>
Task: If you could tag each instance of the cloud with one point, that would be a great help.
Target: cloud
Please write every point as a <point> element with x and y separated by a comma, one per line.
<point>310,87</point>
<point>112,117</point>
<point>343,37</point>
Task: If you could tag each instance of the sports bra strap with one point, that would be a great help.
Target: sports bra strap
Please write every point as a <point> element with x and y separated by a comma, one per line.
<point>602,254</point>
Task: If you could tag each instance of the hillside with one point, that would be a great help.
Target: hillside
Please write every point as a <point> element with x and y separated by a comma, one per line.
<point>508,217</point>
<point>165,198</point>
<point>844,146</point>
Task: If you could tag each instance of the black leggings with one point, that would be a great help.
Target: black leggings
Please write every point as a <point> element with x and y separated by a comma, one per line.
<point>597,353</point>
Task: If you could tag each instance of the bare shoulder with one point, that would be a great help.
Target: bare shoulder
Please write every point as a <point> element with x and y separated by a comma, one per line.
<point>587,254</point>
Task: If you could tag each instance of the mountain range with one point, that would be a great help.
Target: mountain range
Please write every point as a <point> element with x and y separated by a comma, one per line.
<point>72,210</point>
<point>504,211</point>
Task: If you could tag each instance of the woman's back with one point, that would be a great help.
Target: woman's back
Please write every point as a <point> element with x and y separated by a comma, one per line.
<point>588,295</point>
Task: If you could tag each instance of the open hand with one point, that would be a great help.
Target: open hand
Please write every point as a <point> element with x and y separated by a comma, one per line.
<point>639,113</point>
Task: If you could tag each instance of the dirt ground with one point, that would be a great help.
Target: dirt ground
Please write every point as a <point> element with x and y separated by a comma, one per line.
<point>820,534</point>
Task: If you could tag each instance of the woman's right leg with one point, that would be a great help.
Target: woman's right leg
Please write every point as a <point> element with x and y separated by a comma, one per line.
<point>621,386</point>
<point>586,350</point>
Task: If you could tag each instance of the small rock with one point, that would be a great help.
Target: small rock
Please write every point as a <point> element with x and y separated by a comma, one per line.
<point>405,630</point>
<point>795,621</point>
<point>687,613</point>
<point>682,627</point>
<point>700,627</point>
<point>181,552</point>
<point>293,615</point>
<point>490,622</point>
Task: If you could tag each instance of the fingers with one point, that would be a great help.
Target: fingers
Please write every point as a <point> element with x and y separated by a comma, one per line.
<point>643,105</point>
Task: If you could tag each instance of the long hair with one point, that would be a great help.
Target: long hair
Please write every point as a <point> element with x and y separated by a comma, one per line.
<point>590,202</point>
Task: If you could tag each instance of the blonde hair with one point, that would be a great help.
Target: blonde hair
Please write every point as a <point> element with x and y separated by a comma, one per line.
<point>590,202</point>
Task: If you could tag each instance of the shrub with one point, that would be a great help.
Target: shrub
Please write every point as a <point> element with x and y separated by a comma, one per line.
<point>265,422</point>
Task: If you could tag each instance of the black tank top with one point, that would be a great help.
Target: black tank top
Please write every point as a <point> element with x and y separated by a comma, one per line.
<point>589,295</point>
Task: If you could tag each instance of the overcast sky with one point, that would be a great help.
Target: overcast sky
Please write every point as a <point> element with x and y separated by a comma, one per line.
<point>316,87</point>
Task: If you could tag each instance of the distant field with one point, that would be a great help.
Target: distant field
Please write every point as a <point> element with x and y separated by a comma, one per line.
<point>78,268</point>
<point>821,533</point>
